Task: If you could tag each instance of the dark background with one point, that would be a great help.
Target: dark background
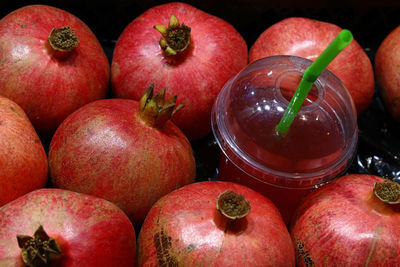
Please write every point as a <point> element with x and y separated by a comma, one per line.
<point>370,22</point>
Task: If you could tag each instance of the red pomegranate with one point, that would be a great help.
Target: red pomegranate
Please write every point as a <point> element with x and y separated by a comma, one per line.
<point>387,68</point>
<point>23,161</point>
<point>352,221</point>
<point>65,229</point>
<point>50,64</point>
<point>193,59</point>
<point>307,38</point>
<point>214,224</point>
<point>124,151</point>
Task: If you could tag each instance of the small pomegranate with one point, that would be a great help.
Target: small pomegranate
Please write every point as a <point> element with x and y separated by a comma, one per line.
<point>193,56</point>
<point>125,151</point>
<point>23,161</point>
<point>54,227</point>
<point>50,64</point>
<point>352,221</point>
<point>214,224</point>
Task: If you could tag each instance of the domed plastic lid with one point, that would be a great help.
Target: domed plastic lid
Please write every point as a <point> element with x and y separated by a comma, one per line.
<point>321,141</point>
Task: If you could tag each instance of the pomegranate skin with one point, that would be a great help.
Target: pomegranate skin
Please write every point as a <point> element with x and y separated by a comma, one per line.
<point>307,38</point>
<point>185,228</point>
<point>47,87</point>
<point>104,149</point>
<point>23,161</point>
<point>90,231</point>
<point>344,224</point>
<point>216,53</point>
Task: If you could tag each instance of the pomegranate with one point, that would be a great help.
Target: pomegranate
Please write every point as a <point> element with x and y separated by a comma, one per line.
<point>307,38</point>
<point>50,64</point>
<point>23,161</point>
<point>193,57</point>
<point>54,227</point>
<point>352,221</point>
<point>387,67</point>
<point>124,151</point>
<point>214,224</point>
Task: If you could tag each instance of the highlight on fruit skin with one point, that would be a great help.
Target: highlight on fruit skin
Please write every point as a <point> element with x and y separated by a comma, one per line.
<point>155,111</point>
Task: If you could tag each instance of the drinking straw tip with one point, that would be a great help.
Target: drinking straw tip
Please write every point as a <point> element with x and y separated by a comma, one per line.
<point>310,75</point>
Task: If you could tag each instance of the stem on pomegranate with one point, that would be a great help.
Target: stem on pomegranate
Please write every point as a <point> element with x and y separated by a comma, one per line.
<point>62,41</point>
<point>176,37</point>
<point>387,191</point>
<point>155,111</point>
<point>233,206</point>
<point>38,250</point>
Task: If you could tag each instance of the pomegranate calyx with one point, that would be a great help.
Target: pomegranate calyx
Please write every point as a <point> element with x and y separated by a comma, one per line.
<point>233,205</point>
<point>155,111</point>
<point>38,250</point>
<point>387,191</point>
<point>176,37</point>
<point>63,39</point>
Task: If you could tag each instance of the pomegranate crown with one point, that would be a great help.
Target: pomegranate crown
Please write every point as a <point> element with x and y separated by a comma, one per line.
<point>38,250</point>
<point>176,37</point>
<point>233,205</point>
<point>155,111</point>
<point>387,191</point>
<point>63,39</point>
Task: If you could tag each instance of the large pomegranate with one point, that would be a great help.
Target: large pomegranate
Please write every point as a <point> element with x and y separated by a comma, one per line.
<point>307,38</point>
<point>193,57</point>
<point>23,161</point>
<point>124,151</point>
<point>352,221</point>
<point>63,228</point>
<point>214,224</point>
<point>50,64</point>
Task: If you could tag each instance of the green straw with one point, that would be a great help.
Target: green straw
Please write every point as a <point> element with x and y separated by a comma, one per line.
<point>310,76</point>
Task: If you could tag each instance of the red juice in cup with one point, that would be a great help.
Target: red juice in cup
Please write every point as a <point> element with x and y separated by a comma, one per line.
<point>318,147</point>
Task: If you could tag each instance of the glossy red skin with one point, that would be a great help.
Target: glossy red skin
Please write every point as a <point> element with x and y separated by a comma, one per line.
<point>105,150</point>
<point>194,234</point>
<point>307,38</point>
<point>344,224</point>
<point>387,68</point>
<point>47,88</point>
<point>23,161</point>
<point>90,231</point>
<point>216,53</point>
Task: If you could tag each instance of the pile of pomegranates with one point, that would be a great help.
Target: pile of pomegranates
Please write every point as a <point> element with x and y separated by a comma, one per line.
<point>123,163</point>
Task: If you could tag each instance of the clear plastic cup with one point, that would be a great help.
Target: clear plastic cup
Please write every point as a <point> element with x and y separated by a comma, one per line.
<point>319,146</point>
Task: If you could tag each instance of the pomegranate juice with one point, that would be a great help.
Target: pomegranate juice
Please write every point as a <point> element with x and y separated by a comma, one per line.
<point>314,143</point>
<point>318,147</point>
